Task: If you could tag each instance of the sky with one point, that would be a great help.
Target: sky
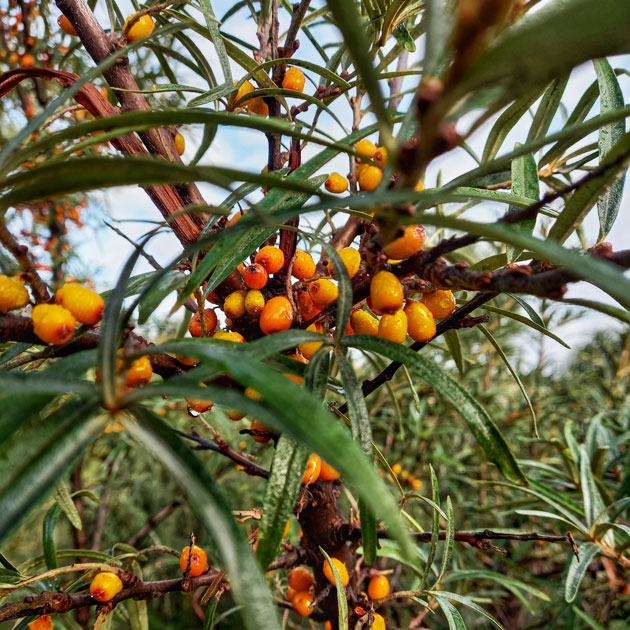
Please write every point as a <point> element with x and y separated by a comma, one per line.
<point>247,150</point>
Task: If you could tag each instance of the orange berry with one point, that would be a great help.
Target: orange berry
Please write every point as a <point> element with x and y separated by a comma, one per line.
<point>308,308</point>
<point>370,178</point>
<point>53,323</point>
<point>380,156</point>
<point>198,561</point>
<point>142,27</point>
<point>396,469</point>
<point>301,579</point>
<point>408,244</point>
<point>287,529</point>
<point>394,327</point>
<point>386,293</point>
<point>14,58</point>
<point>310,348</point>
<point>235,415</point>
<point>258,106</point>
<point>301,603</point>
<point>323,292</point>
<point>291,593</point>
<point>366,148</point>
<point>341,569</point>
<point>227,335</point>
<point>293,80</point>
<point>13,294</point>
<point>252,394</point>
<point>27,60</point>
<point>351,259</point>
<point>328,473</point>
<point>235,218</point>
<point>198,405</point>
<point>277,315</point>
<point>140,372</point>
<point>66,26</point>
<point>336,183</point>
<point>363,323</point>
<point>378,623</point>
<point>255,276</point>
<point>378,587</point>
<point>180,143</point>
<point>271,258</point>
<point>303,266</point>
<point>41,623</point>
<point>242,91</point>
<point>259,426</point>
<point>86,305</point>
<point>440,303</point>
<point>194,327</point>
<point>254,302</point>
<point>105,586</point>
<point>234,305</point>
<point>313,468</point>
<point>327,625</point>
<point>421,322</point>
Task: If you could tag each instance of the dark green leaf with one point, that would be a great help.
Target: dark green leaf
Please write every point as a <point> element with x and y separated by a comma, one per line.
<point>577,569</point>
<point>524,184</point>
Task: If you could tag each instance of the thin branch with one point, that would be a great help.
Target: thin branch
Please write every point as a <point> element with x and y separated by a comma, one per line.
<point>155,520</point>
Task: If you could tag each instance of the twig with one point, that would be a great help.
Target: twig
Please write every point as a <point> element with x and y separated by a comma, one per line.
<point>155,520</point>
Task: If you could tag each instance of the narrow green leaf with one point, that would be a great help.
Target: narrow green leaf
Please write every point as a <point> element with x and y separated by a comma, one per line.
<point>217,39</point>
<point>593,504</point>
<point>438,19</point>
<point>524,184</point>
<point>48,535</point>
<point>63,498</point>
<point>506,581</point>
<point>611,98</point>
<point>527,308</point>
<point>577,569</point>
<point>449,541</point>
<point>342,602</point>
<point>466,602</point>
<point>344,296</point>
<point>454,619</point>
<point>435,526</point>
<point>138,615</point>
<point>547,108</point>
<point>483,428</point>
<point>454,346</point>
<point>155,296</point>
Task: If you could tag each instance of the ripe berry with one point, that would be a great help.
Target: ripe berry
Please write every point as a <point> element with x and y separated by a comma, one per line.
<point>87,306</point>
<point>327,625</point>
<point>234,305</point>
<point>303,266</point>
<point>194,327</point>
<point>386,293</point>
<point>27,60</point>
<point>370,178</point>
<point>419,186</point>
<point>310,348</point>
<point>291,593</point>
<point>258,106</point>
<point>227,335</point>
<point>142,27</point>
<point>53,323</point>
<point>276,316</point>
<point>328,473</point>
<point>242,91</point>
<point>180,143</point>
<point>41,623</point>
<point>301,579</point>
<point>66,26</point>
<point>301,603</point>
<point>378,623</point>
<point>252,394</point>
<point>323,292</point>
<point>313,468</point>
<point>421,322</point>
<point>394,327</point>
<point>198,405</point>
<point>105,586</point>
<point>440,303</point>
<point>293,80</point>
<point>363,323</point>
<point>271,258</point>
<point>336,183</point>
<point>294,377</point>
<point>308,308</point>
<point>235,415</point>
<point>259,426</point>
<point>287,529</point>
<point>140,372</point>
<point>254,302</point>
<point>408,244</point>
<point>380,156</point>
<point>13,294</point>
<point>255,276</point>
<point>198,561</point>
<point>341,569</point>
<point>378,587</point>
<point>366,148</point>
<point>351,258</point>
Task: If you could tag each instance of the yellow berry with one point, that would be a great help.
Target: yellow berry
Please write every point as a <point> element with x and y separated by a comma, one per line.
<point>252,394</point>
<point>180,143</point>
<point>394,327</point>
<point>421,322</point>
<point>242,91</point>
<point>366,148</point>
<point>287,529</point>
<point>419,186</point>
<point>378,587</point>
<point>87,306</point>
<point>341,569</point>
<point>271,258</point>
<point>227,335</point>
<point>313,468</point>
<point>336,183</point>
<point>380,156</point>
<point>13,294</point>
<point>363,323</point>
<point>301,603</point>
<point>242,445</point>
<point>293,80</point>
<point>408,244</point>
<point>396,469</point>
<point>370,178</point>
<point>440,303</point>
<point>386,293</point>
<point>142,27</point>
<point>277,315</point>
<point>53,323</point>
<point>105,586</point>
<point>234,305</point>
<point>310,348</point>
<point>140,372</point>
<point>254,302</point>
<point>351,258</point>
<point>378,623</point>
<point>66,26</point>
<point>303,266</point>
<point>323,292</point>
